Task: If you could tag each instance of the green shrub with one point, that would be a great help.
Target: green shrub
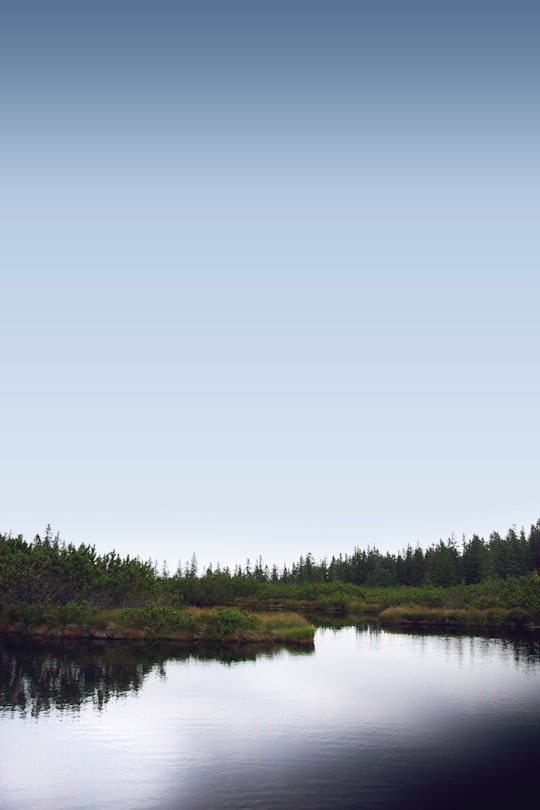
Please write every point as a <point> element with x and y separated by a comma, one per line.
<point>229,621</point>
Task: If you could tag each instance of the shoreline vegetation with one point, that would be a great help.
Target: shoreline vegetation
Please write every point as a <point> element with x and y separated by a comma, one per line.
<point>156,623</point>
<point>54,590</point>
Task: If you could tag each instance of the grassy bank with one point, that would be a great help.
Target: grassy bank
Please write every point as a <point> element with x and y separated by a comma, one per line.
<point>189,624</point>
<point>458,618</point>
<point>511,603</point>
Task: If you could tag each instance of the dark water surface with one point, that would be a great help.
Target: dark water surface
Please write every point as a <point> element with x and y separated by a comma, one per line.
<point>367,719</point>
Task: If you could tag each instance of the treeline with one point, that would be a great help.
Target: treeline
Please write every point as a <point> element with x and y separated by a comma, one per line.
<point>443,564</point>
<point>48,570</point>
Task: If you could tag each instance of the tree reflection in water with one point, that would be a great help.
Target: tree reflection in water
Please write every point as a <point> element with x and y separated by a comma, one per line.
<point>42,676</point>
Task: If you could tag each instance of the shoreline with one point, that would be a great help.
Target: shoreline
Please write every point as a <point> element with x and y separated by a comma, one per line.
<point>186,626</point>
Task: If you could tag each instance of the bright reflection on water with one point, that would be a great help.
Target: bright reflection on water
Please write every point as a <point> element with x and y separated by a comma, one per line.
<point>366,719</point>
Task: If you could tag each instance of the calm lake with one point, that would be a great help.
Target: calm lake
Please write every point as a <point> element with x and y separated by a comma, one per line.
<point>365,718</point>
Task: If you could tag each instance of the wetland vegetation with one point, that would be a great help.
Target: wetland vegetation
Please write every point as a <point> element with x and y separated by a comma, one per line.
<point>51,588</point>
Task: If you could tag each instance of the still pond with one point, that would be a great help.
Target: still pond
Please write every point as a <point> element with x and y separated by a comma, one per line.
<point>366,718</point>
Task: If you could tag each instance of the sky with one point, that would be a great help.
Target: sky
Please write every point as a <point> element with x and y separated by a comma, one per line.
<point>269,274</point>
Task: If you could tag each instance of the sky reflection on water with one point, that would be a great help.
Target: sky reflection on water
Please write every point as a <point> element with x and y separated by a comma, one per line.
<point>369,719</point>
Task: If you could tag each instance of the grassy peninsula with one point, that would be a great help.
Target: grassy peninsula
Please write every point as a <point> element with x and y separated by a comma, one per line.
<point>153,622</point>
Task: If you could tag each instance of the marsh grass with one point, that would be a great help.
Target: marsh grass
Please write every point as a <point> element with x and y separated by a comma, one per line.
<point>287,626</point>
<point>456,617</point>
<point>157,623</point>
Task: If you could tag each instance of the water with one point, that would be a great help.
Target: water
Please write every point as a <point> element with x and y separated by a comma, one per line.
<point>366,718</point>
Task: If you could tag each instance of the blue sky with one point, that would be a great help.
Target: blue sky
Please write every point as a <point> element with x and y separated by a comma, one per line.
<point>269,274</point>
